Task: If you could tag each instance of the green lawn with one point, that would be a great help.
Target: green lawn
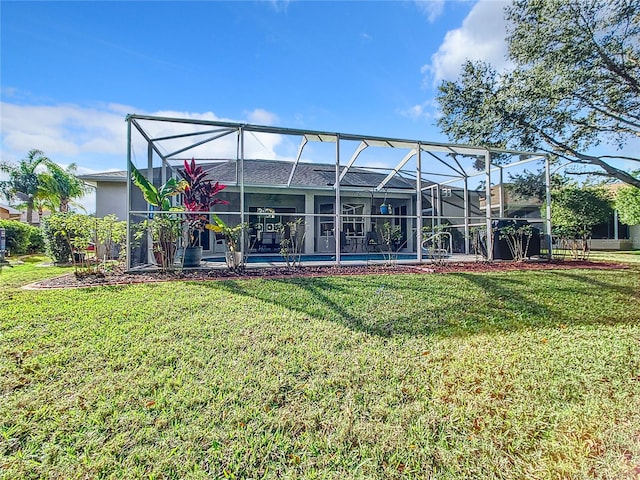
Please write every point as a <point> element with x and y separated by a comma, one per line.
<point>513,375</point>
<point>632,257</point>
<point>27,270</point>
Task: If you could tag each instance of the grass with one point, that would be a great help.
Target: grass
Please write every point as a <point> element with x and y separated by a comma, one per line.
<point>510,375</point>
<point>630,257</point>
<point>26,270</point>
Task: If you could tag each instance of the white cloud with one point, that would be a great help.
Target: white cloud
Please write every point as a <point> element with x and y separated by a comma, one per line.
<point>66,130</point>
<point>431,8</point>
<point>481,37</point>
<point>260,116</point>
<point>96,137</point>
<point>424,110</point>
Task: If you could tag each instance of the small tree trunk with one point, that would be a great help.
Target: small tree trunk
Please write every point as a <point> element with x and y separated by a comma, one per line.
<point>30,213</point>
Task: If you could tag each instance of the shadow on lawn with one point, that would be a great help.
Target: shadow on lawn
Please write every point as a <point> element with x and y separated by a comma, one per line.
<point>463,304</point>
<point>582,277</point>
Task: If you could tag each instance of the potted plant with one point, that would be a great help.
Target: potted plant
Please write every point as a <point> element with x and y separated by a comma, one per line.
<point>233,239</point>
<point>164,228</point>
<point>199,196</point>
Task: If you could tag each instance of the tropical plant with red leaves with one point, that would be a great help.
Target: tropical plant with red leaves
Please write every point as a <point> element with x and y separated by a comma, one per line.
<point>199,195</point>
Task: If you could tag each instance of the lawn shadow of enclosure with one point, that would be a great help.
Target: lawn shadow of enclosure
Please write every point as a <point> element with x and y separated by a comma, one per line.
<point>453,304</point>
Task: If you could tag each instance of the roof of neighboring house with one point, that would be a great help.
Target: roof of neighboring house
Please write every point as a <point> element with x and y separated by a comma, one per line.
<point>10,210</point>
<point>276,173</point>
<point>35,216</point>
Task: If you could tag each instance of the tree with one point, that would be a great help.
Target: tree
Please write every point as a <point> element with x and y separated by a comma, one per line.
<point>575,85</point>
<point>627,203</point>
<point>23,180</point>
<point>580,208</point>
<point>58,187</point>
<point>575,211</point>
<point>533,184</point>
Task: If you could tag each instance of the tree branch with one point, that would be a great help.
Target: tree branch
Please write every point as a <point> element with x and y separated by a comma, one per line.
<point>620,157</point>
<point>563,148</point>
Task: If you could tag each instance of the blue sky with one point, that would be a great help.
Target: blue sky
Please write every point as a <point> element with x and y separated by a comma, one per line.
<point>71,71</point>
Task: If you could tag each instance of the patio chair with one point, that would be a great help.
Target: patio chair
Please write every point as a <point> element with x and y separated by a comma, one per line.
<point>373,242</point>
<point>270,242</point>
<point>345,243</point>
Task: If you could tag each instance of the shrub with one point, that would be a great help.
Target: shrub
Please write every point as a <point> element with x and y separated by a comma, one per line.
<point>36,240</point>
<point>111,234</point>
<point>518,238</point>
<point>574,212</point>
<point>69,235</point>
<point>55,228</point>
<point>20,237</point>
<point>628,205</point>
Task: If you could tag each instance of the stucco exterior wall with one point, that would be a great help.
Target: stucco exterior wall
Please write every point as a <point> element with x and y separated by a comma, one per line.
<point>111,197</point>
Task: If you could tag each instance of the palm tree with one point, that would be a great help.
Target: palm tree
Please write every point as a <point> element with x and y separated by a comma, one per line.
<point>58,187</point>
<point>23,180</point>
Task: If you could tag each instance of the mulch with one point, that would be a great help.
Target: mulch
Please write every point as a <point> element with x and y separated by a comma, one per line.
<point>118,276</point>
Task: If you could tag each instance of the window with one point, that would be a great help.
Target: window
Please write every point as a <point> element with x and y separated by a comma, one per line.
<point>353,219</point>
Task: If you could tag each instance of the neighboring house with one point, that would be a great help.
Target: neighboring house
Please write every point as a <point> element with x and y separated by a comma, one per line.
<point>614,235</point>
<point>111,192</point>
<point>36,218</point>
<point>506,204</point>
<point>9,213</point>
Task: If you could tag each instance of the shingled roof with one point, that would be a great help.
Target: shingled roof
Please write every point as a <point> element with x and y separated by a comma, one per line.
<point>276,173</point>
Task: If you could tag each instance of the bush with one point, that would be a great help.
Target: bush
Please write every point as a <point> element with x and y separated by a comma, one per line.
<point>36,240</point>
<point>628,205</point>
<point>72,233</point>
<point>111,234</point>
<point>56,245</point>
<point>21,237</point>
<point>574,212</point>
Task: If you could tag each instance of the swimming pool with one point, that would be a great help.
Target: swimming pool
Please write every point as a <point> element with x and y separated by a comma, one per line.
<point>353,257</point>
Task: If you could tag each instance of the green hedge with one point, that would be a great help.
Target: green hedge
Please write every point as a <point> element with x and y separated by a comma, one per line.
<point>22,238</point>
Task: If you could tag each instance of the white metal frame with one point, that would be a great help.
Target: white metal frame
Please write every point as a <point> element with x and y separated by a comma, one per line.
<point>199,132</point>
